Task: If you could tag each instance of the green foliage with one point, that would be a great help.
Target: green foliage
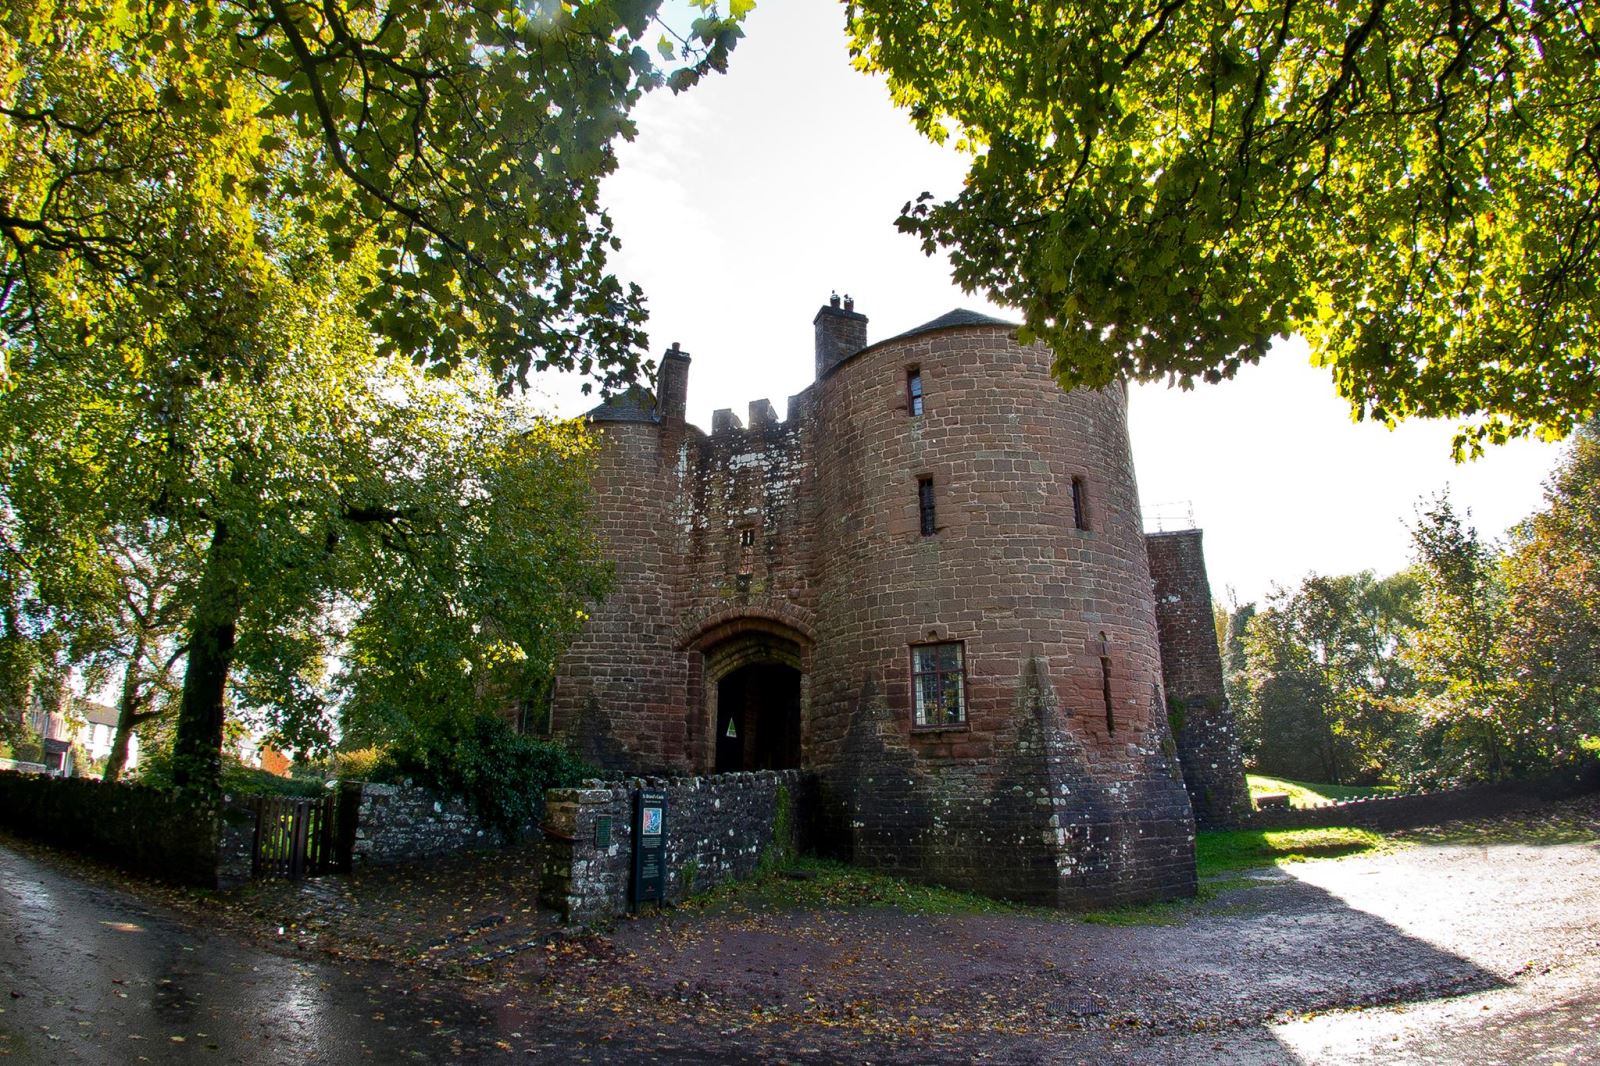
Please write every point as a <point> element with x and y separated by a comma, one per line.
<point>460,625</point>
<point>1176,716</point>
<point>780,852</point>
<point>1236,663</point>
<point>360,764</point>
<point>1220,850</point>
<point>1325,684</point>
<point>24,745</point>
<point>1308,794</point>
<point>1463,697</point>
<point>241,780</point>
<point>821,883</point>
<point>1478,664</point>
<point>1164,188</point>
<point>1551,574</point>
<point>503,773</point>
<point>465,140</point>
<point>157,766</point>
<point>232,239</point>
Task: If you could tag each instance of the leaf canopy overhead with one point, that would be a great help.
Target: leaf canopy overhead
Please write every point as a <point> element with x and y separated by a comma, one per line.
<point>1164,187</point>
<point>466,140</point>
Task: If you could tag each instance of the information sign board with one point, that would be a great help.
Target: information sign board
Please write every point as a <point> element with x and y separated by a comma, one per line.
<point>649,846</point>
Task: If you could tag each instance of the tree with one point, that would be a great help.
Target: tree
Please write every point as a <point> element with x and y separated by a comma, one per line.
<point>466,140</point>
<point>1235,663</point>
<point>242,219</point>
<point>1464,698</point>
<point>1163,188</point>
<point>1325,683</point>
<point>322,486</point>
<point>1552,580</point>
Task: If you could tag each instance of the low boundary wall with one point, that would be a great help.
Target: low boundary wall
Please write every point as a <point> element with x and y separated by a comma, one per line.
<point>405,823</point>
<point>145,830</point>
<point>721,828</point>
<point>1427,808</point>
<point>154,832</point>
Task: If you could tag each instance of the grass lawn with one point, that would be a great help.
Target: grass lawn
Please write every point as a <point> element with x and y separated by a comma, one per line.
<point>809,882</point>
<point>827,885</point>
<point>1217,851</point>
<point>1308,794</point>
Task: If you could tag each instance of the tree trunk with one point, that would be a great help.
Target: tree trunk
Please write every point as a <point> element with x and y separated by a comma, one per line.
<point>127,714</point>
<point>197,751</point>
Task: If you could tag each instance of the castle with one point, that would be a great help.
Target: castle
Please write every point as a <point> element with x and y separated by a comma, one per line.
<point>929,584</point>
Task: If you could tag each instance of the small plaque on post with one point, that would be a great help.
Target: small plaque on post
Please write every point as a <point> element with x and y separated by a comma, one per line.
<point>649,846</point>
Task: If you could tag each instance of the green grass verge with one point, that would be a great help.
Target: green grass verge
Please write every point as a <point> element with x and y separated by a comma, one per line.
<point>820,884</point>
<point>827,885</point>
<point>1220,850</point>
<point>1310,794</point>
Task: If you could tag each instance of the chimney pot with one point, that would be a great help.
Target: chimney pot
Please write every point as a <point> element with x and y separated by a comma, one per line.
<point>672,385</point>
<point>840,331</point>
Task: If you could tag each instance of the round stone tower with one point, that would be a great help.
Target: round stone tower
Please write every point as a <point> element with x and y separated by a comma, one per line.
<point>986,705</point>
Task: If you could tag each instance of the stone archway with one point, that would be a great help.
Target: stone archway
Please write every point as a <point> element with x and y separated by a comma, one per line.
<point>755,674</point>
<point>758,718</point>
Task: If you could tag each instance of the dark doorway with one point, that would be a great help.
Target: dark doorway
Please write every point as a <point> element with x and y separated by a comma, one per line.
<point>758,718</point>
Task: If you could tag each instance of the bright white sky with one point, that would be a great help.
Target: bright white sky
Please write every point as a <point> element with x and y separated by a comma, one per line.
<point>746,201</point>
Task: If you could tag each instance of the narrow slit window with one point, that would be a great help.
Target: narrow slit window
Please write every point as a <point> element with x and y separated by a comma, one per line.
<point>1105,692</point>
<point>1080,503</point>
<point>914,391</point>
<point>925,505</point>
<point>747,538</point>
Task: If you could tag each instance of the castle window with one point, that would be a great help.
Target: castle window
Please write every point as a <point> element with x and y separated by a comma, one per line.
<point>1080,503</point>
<point>914,390</point>
<point>747,537</point>
<point>925,505</point>
<point>534,712</point>
<point>938,684</point>
<point>1105,692</point>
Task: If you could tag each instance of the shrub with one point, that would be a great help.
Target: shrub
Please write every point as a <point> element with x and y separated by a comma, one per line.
<point>241,780</point>
<point>360,764</point>
<point>503,773</point>
<point>26,746</point>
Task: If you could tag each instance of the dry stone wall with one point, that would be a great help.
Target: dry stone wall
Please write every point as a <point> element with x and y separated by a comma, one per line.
<point>718,829</point>
<point>405,823</point>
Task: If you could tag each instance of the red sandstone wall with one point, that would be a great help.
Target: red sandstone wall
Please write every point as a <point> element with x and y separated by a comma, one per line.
<point>1208,741</point>
<point>1033,796</point>
<point>1008,573</point>
<point>620,695</point>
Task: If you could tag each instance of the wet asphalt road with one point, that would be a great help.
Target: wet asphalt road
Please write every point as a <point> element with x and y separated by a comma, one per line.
<point>91,976</point>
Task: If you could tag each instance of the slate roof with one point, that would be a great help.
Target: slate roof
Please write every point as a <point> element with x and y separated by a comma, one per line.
<point>957,317</point>
<point>97,713</point>
<point>634,404</point>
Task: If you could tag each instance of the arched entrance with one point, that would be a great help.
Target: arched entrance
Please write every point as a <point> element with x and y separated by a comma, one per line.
<point>754,693</point>
<point>758,718</point>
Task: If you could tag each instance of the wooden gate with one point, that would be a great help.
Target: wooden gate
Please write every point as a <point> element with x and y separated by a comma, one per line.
<point>295,837</point>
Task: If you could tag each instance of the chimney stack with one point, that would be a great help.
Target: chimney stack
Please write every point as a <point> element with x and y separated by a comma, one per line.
<point>672,385</point>
<point>841,333</point>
